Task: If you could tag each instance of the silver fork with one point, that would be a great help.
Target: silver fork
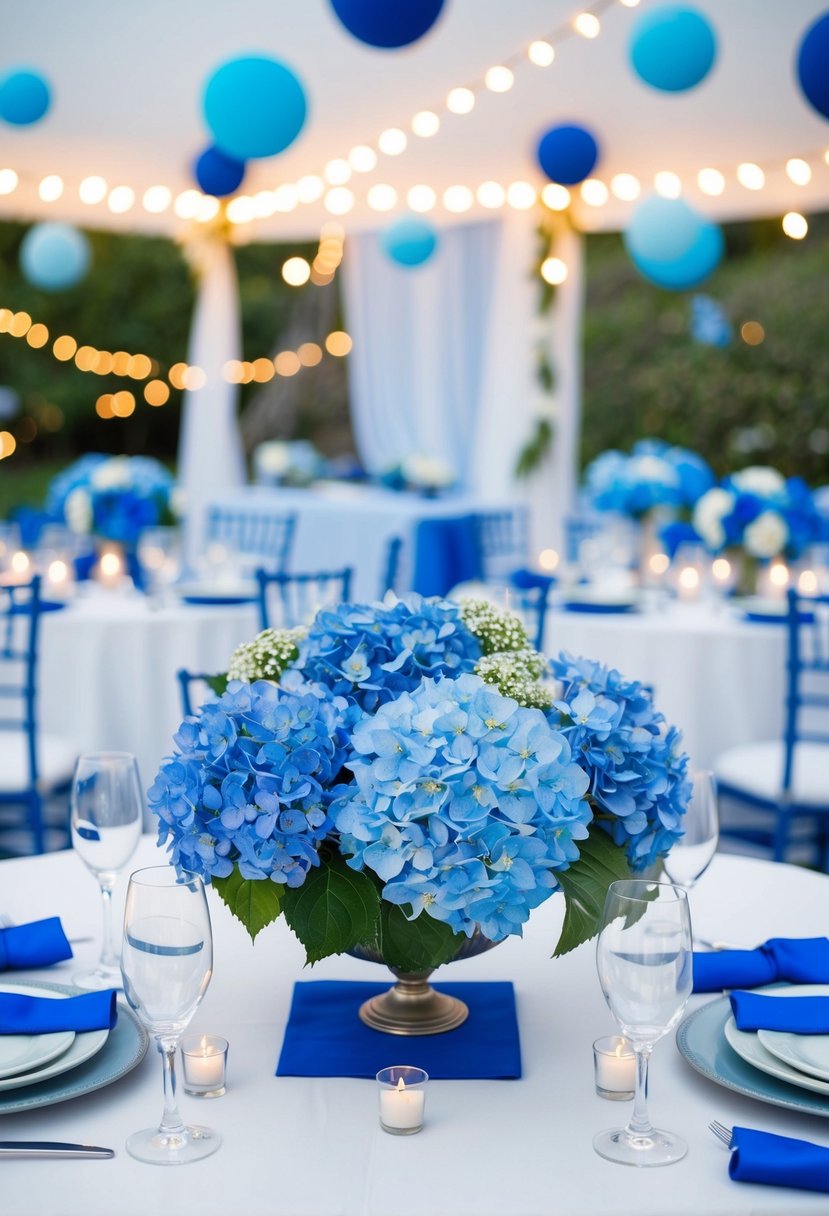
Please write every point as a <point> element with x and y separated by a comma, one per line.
<point>721,1132</point>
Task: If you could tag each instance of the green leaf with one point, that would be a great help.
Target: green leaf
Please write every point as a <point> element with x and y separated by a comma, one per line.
<point>585,884</point>
<point>334,909</point>
<point>415,945</point>
<point>535,449</point>
<point>255,902</point>
<point>217,684</point>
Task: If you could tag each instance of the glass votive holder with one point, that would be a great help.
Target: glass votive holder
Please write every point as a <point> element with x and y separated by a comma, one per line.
<point>614,1067</point>
<point>402,1095</point>
<point>204,1057</point>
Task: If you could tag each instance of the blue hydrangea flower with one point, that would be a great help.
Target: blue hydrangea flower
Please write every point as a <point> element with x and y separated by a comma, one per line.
<point>653,475</point>
<point>250,782</point>
<point>115,497</point>
<point>637,769</point>
<point>464,804</point>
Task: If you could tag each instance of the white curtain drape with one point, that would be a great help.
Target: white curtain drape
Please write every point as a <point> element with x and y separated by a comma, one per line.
<point>210,454</point>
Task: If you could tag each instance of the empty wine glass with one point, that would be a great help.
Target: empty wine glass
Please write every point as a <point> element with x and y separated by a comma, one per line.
<point>167,962</point>
<point>106,817</point>
<point>643,958</point>
<point>691,855</point>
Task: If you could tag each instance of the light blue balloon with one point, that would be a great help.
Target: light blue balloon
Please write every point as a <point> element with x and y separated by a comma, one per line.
<point>25,97</point>
<point>672,48</point>
<point>671,245</point>
<point>254,106</point>
<point>409,241</point>
<point>54,257</point>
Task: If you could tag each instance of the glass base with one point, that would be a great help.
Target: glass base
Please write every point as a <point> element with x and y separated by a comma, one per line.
<point>101,977</point>
<point>163,1148</point>
<point>657,1148</point>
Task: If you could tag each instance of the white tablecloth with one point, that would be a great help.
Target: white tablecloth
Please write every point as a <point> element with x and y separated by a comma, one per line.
<point>300,1147</point>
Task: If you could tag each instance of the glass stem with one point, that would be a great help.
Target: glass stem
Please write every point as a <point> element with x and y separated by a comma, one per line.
<point>109,958</point>
<point>171,1123</point>
<point>640,1124</point>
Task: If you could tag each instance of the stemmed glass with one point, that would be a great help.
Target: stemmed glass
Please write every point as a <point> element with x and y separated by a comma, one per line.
<point>106,817</point>
<point>691,855</point>
<point>167,962</point>
<point>645,970</point>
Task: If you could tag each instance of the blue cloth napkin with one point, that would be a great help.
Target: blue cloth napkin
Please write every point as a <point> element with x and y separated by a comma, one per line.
<point>800,960</point>
<point>38,944</point>
<point>21,1014</point>
<point>446,553</point>
<point>778,1160</point>
<point>325,1037</point>
<point>798,1014</point>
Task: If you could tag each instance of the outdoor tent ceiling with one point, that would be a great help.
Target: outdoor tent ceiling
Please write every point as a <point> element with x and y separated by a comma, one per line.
<point>128,77</point>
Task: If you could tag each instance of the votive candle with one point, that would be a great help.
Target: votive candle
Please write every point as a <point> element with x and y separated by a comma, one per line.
<point>402,1091</point>
<point>614,1065</point>
<point>205,1060</point>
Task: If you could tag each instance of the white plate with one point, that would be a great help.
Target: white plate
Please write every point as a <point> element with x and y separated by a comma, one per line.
<point>807,1053</point>
<point>604,597</point>
<point>23,1052</point>
<point>85,1045</point>
<point>748,1046</point>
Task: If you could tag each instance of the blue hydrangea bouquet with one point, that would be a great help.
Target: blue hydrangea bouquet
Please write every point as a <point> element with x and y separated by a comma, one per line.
<point>759,511</point>
<point>402,776</point>
<point>653,475</point>
<point>113,497</point>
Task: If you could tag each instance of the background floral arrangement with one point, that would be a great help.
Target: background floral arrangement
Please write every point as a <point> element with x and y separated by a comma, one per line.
<point>293,462</point>
<point>380,787</point>
<point>760,511</point>
<point>419,472</point>
<point>654,474</point>
<point>113,497</point>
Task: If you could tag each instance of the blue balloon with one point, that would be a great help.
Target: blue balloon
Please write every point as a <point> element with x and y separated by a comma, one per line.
<point>567,154</point>
<point>671,245</point>
<point>672,48</point>
<point>409,241</point>
<point>25,97</point>
<point>217,173</point>
<point>813,65</point>
<point>54,256</point>
<point>388,24</point>
<point>254,106</point>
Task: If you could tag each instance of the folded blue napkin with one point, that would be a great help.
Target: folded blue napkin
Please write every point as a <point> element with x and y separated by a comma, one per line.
<point>798,1014</point>
<point>325,1037</point>
<point>21,1014</point>
<point>778,1160</point>
<point>34,945</point>
<point>803,960</point>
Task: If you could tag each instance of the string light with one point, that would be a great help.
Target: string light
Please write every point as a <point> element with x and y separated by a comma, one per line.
<point>553,271</point>
<point>296,272</point>
<point>458,199</point>
<point>362,158</point>
<point>588,25</point>
<point>795,225</point>
<point>421,198</point>
<point>667,184</point>
<point>425,124</point>
<point>381,197</point>
<point>711,181</point>
<point>499,79</point>
<point>156,199</point>
<point>92,190</point>
<point>51,188</point>
<point>8,181</point>
<point>460,101</point>
<point>594,192</point>
<point>521,195</point>
<point>751,176</point>
<point>541,53</point>
<point>491,195</point>
<point>625,186</point>
<point>339,200</point>
<point>310,188</point>
<point>337,172</point>
<point>120,199</point>
<point>556,197</point>
<point>392,142</point>
<point>798,171</point>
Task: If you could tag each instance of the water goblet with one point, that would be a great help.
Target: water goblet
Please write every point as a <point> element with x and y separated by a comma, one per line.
<point>167,962</point>
<point>105,820</point>
<point>692,853</point>
<point>644,961</point>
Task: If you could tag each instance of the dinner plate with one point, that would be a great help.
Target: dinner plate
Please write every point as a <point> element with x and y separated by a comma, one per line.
<point>123,1050</point>
<point>767,611</point>
<point>218,593</point>
<point>82,1048</point>
<point>807,1053</point>
<point>585,599</point>
<point>700,1038</point>
<point>21,1052</point>
<point>750,1049</point>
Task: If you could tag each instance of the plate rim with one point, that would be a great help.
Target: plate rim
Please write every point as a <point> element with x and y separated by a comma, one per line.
<point>772,1067</point>
<point>65,1038</point>
<point>770,1041</point>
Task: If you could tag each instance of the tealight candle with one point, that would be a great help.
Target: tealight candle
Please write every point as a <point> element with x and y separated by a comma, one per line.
<point>688,583</point>
<point>614,1064</point>
<point>59,578</point>
<point>205,1061</point>
<point>20,565</point>
<point>110,569</point>
<point>402,1091</point>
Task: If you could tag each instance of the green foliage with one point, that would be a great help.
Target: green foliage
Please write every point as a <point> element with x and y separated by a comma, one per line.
<point>255,902</point>
<point>216,684</point>
<point>335,909</point>
<point>415,945</point>
<point>585,885</point>
<point>536,449</point>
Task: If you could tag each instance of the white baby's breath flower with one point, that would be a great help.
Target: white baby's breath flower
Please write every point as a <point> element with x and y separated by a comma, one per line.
<point>709,513</point>
<point>78,510</point>
<point>766,536</point>
<point>759,479</point>
<point>498,629</point>
<point>267,656</point>
<point>112,474</point>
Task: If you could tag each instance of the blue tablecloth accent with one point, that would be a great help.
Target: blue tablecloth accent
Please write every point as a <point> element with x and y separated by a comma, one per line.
<point>778,1160</point>
<point>446,553</point>
<point>325,1037</point>
<point>798,960</point>
<point>38,944</point>
<point>21,1014</point>
<point>798,1014</point>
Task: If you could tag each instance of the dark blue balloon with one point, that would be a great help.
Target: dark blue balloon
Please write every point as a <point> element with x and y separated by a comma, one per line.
<point>25,97</point>
<point>672,48</point>
<point>567,154</point>
<point>671,245</point>
<point>217,173</point>
<point>813,65</point>
<point>409,241</point>
<point>388,24</point>
<point>254,106</point>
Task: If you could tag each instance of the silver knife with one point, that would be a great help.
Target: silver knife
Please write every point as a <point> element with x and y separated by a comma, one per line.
<point>51,1148</point>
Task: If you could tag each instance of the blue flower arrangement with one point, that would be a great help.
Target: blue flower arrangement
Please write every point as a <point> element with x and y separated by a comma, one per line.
<point>759,511</point>
<point>381,789</point>
<point>654,474</point>
<point>112,497</point>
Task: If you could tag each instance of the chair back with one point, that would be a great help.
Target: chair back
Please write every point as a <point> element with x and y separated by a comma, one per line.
<point>267,535</point>
<point>530,598</point>
<point>390,579</point>
<point>195,688</point>
<point>502,541</point>
<point>288,600</point>
<point>20,609</point>
<point>807,691</point>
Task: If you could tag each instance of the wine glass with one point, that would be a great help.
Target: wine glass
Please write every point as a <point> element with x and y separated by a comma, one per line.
<point>167,962</point>
<point>106,817</point>
<point>644,962</point>
<point>691,855</point>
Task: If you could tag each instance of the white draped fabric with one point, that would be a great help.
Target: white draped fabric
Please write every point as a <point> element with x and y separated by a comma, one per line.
<point>210,455</point>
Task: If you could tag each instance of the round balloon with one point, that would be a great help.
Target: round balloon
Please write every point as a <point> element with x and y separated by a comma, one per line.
<point>672,48</point>
<point>409,241</point>
<point>25,97</point>
<point>54,256</point>
<point>217,173</point>
<point>813,65</point>
<point>671,245</point>
<point>388,25</point>
<point>254,106</point>
<point>567,154</point>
